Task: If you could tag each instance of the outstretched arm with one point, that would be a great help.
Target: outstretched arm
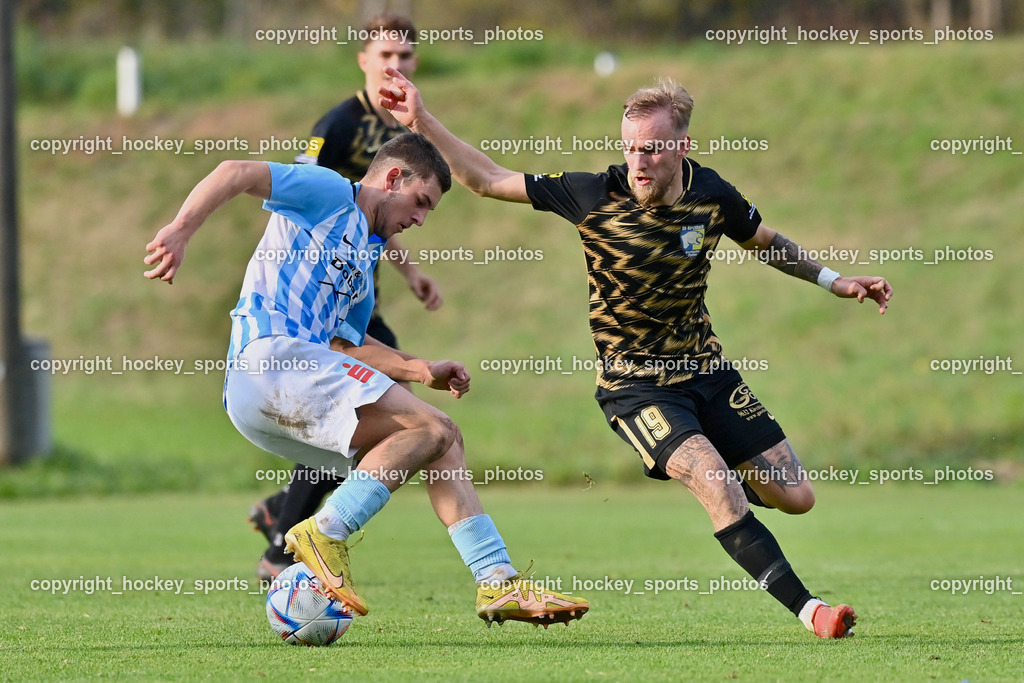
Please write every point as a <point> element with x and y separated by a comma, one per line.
<point>470,166</point>
<point>227,181</point>
<point>782,253</point>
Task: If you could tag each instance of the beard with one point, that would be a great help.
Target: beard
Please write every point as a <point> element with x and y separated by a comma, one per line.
<point>384,223</point>
<point>650,194</point>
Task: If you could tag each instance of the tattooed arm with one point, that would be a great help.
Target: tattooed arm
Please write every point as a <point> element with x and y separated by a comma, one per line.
<point>784,254</point>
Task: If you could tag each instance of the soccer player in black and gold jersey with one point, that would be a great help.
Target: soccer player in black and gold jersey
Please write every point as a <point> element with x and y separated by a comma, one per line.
<point>346,139</point>
<point>648,228</point>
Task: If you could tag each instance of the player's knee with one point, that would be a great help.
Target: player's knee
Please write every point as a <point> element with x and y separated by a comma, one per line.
<point>797,500</point>
<point>439,433</point>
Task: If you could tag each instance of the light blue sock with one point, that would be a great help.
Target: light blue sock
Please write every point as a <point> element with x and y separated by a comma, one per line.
<point>480,545</point>
<point>352,505</point>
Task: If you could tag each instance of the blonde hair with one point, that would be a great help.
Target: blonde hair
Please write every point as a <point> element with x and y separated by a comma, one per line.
<point>667,95</point>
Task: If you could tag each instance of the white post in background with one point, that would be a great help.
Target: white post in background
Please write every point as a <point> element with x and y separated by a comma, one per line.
<point>129,81</point>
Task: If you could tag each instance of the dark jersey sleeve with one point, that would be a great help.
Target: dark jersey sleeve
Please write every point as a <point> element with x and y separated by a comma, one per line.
<point>335,131</point>
<point>330,144</point>
<point>741,216</point>
<point>571,195</point>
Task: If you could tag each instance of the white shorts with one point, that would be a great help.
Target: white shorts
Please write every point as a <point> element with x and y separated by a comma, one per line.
<point>298,399</point>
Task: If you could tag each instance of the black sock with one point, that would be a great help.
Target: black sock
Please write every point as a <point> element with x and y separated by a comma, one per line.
<point>755,549</point>
<point>303,497</point>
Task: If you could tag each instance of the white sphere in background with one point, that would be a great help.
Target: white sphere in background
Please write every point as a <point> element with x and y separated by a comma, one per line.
<point>605,63</point>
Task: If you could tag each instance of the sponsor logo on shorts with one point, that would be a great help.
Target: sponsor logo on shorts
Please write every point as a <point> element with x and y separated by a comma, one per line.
<point>746,404</point>
<point>359,372</point>
<point>742,397</point>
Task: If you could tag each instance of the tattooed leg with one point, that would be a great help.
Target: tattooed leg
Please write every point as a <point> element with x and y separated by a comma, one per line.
<point>779,479</point>
<point>697,465</point>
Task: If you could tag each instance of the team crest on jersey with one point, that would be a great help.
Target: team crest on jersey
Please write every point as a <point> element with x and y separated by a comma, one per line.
<point>691,239</point>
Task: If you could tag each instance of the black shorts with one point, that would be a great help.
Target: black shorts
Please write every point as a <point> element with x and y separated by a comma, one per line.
<point>654,419</point>
<point>379,330</point>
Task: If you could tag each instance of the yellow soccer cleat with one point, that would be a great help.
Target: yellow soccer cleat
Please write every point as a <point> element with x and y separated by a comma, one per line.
<point>521,599</point>
<point>327,558</point>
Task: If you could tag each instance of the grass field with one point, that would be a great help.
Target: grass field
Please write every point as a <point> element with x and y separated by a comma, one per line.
<point>878,547</point>
<point>150,480</point>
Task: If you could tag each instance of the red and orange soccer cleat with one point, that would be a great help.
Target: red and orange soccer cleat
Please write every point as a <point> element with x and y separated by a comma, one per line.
<point>833,622</point>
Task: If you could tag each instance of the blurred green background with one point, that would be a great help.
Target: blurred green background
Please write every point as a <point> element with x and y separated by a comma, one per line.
<point>847,160</point>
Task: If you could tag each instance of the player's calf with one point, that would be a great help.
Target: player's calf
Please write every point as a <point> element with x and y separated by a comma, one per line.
<point>793,500</point>
<point>778,479</point>
<point>450,486</point>
<point>697,465</point>
<point>797,500</point>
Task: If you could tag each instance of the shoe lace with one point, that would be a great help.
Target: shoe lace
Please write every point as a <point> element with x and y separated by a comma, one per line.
<point>525,575</point>
<point>359,540</point>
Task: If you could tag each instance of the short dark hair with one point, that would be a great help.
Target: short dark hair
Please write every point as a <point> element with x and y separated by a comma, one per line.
<point>389,21</point>
<point>416,156</point>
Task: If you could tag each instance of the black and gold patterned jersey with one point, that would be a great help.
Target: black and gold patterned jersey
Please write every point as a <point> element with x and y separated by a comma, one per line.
<point>347,137</point>
<point>648,268</point>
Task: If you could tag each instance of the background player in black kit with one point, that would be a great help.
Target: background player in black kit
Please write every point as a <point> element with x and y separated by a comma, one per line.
<point>648,227</point>
<point>346,139</point>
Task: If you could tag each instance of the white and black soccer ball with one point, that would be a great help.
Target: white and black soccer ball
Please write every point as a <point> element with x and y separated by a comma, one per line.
<point>302,612</point>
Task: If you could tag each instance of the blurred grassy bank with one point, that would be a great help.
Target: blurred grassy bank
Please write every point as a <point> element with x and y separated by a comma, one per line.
<point>847,161</point>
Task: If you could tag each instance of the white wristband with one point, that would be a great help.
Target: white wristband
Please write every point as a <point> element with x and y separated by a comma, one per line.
<point>826,277</point>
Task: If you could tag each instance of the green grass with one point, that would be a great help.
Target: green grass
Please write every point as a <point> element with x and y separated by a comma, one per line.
<point>876,547</point>
<point>848,165</point>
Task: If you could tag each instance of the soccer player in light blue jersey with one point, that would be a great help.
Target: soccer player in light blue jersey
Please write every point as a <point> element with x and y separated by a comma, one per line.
<point>310,282</point>
<point>345,139</point>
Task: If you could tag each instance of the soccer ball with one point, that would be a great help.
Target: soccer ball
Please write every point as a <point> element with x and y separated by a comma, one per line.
<point>302,612</point>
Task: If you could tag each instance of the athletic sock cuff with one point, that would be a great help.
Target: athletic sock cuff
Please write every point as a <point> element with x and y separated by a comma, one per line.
<point>735,526</point>
<point>358,499</point>
<point>479,543</point>
<point>806,613</point>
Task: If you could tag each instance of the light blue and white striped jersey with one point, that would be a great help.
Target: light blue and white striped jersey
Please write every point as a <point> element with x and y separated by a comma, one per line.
<point>311,277</point>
